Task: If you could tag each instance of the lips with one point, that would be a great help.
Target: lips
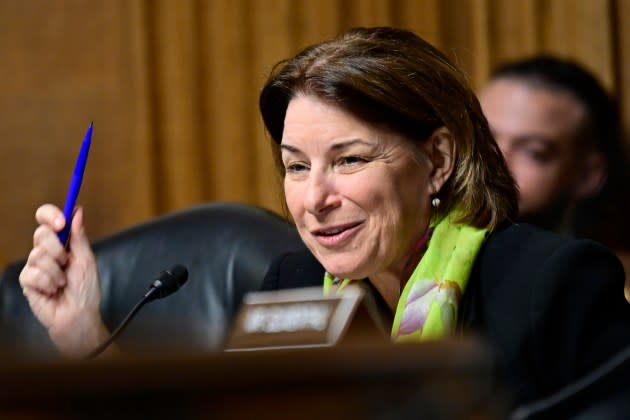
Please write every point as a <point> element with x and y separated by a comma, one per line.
<point>334,230</point>
<point>337,234</point>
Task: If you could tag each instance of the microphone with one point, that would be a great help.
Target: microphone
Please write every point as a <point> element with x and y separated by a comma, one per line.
<point>167,283</point>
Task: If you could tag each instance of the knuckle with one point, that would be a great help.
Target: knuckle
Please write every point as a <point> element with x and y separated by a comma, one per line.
<point>43,212</point>
<point>27,276</point>
<point>40,233</point>
<point>35,255</point>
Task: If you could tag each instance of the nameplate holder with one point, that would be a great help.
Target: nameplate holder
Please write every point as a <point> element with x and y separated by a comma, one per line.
<point>301,318</point>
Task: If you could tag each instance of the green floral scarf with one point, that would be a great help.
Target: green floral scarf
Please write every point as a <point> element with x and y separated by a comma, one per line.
<point>427,307</point>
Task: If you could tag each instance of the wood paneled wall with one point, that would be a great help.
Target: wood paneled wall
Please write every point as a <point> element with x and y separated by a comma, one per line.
<point>172,87</point>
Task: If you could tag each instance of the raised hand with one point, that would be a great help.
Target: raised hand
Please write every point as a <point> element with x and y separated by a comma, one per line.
<point>62,285</point>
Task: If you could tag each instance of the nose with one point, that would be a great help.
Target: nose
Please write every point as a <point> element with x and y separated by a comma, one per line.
<point>320,194</point>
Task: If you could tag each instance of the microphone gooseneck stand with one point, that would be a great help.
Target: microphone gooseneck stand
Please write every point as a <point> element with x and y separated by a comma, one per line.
<point>168,282</point>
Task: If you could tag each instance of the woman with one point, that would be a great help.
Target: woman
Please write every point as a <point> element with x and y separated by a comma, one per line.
<point>392,176</point>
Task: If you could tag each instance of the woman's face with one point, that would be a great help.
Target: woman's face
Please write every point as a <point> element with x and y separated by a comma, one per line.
<point>358,194</point>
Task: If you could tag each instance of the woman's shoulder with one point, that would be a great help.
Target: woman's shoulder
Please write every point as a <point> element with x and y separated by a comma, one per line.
<point>294,269</point>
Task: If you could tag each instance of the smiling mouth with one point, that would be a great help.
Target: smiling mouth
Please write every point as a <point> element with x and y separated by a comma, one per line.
<point>335,230</point>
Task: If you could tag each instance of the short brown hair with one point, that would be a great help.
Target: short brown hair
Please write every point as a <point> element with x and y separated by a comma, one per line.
<point>394,79</point>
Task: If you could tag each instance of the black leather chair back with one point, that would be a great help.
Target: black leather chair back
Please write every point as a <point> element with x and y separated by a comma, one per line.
<point>226,248</point>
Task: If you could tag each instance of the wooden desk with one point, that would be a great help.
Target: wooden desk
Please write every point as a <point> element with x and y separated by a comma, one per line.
<point>444,380</point>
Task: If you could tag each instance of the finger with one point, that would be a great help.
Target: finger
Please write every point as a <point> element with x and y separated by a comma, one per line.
<point>39,263</point>
<point>46,264</point>
<point>47,241</point>
<point>79,242</point>
<point>40,279</point>
<point>50,215</point>
<point>33,292</point>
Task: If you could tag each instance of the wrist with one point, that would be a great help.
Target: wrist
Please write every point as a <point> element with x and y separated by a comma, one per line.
<point>80,335</point>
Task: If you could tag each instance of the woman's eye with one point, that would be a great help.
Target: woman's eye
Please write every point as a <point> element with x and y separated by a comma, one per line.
<point>351,160</point>
<point>296,167</point>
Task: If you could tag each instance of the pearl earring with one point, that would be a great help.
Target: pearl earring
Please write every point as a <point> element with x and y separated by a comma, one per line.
<point>435,202</point>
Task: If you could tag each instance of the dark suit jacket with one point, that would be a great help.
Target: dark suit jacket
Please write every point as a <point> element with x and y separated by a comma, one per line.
<point>552,307</point>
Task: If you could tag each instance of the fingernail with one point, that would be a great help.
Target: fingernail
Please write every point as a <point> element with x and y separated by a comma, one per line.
<point>59,222</point>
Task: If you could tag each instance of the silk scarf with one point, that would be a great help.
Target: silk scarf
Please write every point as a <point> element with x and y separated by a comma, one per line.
<point>428,304</point>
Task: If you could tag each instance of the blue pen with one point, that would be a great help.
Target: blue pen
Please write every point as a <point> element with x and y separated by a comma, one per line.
<point>75,186</point>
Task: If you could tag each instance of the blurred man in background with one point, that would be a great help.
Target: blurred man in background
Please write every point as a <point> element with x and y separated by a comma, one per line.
<point>560,133</point>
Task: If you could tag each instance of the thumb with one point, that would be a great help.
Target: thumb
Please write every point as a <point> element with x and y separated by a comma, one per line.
<point>79,242</point>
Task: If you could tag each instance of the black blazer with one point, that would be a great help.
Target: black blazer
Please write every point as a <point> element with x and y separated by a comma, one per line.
<point>552,307</point>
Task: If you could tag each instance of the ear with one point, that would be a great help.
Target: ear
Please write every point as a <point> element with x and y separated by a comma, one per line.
<point>592,177</point>
<point>440,150</point>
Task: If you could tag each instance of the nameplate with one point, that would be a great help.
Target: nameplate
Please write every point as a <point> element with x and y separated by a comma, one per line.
<point>293,318</point>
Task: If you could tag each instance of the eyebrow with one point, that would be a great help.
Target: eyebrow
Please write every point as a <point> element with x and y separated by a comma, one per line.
<point>289,148</point>
<point>534,138</point>
<point>336,146</point>
<point>348,143</point>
